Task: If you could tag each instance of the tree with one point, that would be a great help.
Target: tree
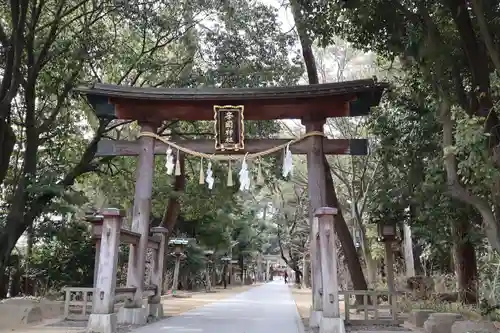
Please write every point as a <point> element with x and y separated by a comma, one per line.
<point>342,230</point>
<point>438,42</point>
<point>61,51</point>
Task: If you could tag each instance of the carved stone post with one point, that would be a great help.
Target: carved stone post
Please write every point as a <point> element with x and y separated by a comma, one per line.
<point>317,197</point>
<point>268,268</point>
<point>389,264</point>
<point>331,321</point>
<point>96,260</point>
<point>133,312</point>
<point>154,303</point>
<point>208,263</point>
<point>408,251</point>
<point>103,319</point>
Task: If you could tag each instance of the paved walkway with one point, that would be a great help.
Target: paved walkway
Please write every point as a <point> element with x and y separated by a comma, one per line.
<point>265,309</point>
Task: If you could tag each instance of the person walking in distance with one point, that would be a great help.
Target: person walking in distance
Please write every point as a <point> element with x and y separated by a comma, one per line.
<point>286,277</point>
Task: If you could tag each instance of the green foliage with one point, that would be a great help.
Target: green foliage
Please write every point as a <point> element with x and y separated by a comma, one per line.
<point>64,256</point>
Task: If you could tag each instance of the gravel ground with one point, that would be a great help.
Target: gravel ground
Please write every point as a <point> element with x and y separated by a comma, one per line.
<point>377,328</point>
<point>368,329</point>
<point>83,325</point>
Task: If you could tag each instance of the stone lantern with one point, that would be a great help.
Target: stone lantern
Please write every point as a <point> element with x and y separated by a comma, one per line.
<point>357,238</point>
<point>209,254</point>
<point>387,233</point>
<point>226,261</point>
<point>178,245</point>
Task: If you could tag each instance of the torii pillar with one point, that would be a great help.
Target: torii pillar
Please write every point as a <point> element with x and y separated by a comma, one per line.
<point>133,312</point>
<point>330,321</point>
<point>317,197</point>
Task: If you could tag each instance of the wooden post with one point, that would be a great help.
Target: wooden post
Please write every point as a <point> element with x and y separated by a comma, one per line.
<point>176,271</point>
<point>154,303</point>
<point>103,319</point>
<point>331,321</point>
<point>317,198</point>
<point>133,312</point>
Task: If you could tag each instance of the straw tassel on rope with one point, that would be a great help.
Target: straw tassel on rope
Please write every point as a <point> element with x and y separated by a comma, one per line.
<point>178,164</point>
<point>287,162</point>
<point>202,174</point>
<point>229,175</point>
<point>210,178</point>
<point>231,157</point>
<point>170,161</point>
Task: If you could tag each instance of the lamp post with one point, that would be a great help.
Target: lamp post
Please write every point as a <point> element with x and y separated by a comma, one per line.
<point>178,245</point>
<point>209,260</point>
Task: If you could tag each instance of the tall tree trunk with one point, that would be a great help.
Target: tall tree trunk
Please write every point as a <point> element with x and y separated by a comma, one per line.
<point>417,252</point>
<point>341,228</point>
<point>305,42</point>
<point>465,261</point>
<point>173,209</point>
<point>306,279</point>
<point>7,142</point>
<point>345,237</point>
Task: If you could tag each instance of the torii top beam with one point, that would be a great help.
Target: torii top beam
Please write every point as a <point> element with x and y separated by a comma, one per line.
<point>318,101</point>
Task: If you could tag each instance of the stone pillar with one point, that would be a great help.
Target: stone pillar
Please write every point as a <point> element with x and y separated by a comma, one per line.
<point>331,321</point>
<point>208,277</point>
<point>259,269</point>
<point>389,266</point>
<point>176,271</point>
<point>96,260</point>
<point>408,251</point>
<point>133,312</point>
<point>103,319</point>
<point>317,197</point>
<point>268,268</point>
<point>154,303</point>
<point>96,222</point>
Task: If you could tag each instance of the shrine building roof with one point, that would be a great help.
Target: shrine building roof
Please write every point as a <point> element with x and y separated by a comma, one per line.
<point>340,99</point>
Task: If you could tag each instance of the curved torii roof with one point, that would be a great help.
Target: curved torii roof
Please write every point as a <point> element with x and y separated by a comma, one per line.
<point>340,99</point>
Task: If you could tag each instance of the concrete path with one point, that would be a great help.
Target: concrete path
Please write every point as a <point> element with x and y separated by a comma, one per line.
<point>265,309</point>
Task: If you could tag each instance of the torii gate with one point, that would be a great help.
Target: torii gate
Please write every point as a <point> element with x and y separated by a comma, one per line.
<point>312,104</point>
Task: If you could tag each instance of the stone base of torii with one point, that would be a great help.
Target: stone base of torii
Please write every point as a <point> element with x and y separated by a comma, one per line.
<point>325,312</point>
<point>107,231</point>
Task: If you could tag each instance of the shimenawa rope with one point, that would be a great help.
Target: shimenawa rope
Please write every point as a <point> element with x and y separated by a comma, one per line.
<point>223,157</point>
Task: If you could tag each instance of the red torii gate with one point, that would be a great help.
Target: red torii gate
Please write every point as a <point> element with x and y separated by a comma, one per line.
<point>312,104</point>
